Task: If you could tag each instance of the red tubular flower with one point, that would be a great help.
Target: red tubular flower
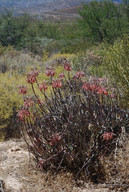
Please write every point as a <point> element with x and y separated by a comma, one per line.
<point>56,84</point>
<point>55,139</point>
<point>79,74</point>
<point>31,76</point>
<point>36,73</point>
<point>22,114</point>
<point>91,87</point>
<point>22,90</point>
<point>67,66</point>
<point>50,72</point>
<point>28,102</point>
<point>107,136</point>
<point>43,86</point>
<point>86,86</point>
<point>102,90</point>
<point>61,75</point>
<point>31,79</point>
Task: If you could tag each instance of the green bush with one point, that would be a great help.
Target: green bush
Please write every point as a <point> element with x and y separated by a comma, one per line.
<point>103,20</point>
<point>17,62</point>
<point>117,63</point>
<point>85,60</point>
<point>91,61</point>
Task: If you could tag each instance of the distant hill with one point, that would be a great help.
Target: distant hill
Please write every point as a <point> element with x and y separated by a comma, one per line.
<point>46,9</point>
<point>52,4</point>
<point>21,3</point>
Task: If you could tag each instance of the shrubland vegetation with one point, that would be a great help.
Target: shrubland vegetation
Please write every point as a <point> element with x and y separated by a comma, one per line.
<point>104,20</point>
<point>117,63</point>
<point>100,21</point>
<point>58,114</point>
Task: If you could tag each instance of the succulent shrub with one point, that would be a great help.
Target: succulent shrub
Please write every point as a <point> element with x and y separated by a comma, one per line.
<point>73,126</point>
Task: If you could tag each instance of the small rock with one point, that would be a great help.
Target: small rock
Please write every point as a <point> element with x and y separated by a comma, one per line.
<point>15,149</point>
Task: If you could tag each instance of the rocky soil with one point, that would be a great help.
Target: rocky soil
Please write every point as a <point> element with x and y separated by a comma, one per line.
<point>19,174</point>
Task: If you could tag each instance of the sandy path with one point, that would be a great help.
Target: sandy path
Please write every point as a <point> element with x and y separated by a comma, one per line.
<point>12,159</point>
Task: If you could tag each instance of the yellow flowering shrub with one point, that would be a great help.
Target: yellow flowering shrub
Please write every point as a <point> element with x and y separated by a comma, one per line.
<point>9,97</point>
<point>57,59</point>
<point>63,55</point>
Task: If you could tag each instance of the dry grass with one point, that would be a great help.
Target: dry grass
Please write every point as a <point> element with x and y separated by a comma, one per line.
<point>117,166</point>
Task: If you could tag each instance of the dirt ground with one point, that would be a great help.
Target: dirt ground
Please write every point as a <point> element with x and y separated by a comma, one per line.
<point>19,174</point>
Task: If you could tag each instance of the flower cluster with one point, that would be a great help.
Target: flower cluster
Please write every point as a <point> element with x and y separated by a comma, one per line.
<point>61,75</point>
<point>67,66</point>
<point>28,102</point>
<point>95,88</point>
<point>43,86</point>
<point>22,90</point>
<point>55,139</point>
<point>91,87</point>
<point>107,136</point>
<point>79,74</point>
<point>23,113</point>
<point>31,76</point>
<point>56,84</point>
<point>50,72</point>
<point>102,90</point>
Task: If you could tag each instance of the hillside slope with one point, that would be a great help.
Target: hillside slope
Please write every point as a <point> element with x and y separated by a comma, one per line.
<point>47,4</point>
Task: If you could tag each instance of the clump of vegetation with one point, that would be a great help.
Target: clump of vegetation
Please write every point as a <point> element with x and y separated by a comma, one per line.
<point>17,62</point>
<point>9,104</point>
<point>103,20</point>
<point>117,63</point>
<point>24,32</point>
<point>73,126</point>
<point>87,62</point>
<point>57,60</point>
<point>91,61</point>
